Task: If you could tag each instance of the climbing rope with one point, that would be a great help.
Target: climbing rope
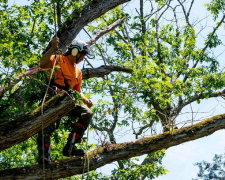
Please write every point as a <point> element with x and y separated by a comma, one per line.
<point>86,160</point>
<point>43,101</point>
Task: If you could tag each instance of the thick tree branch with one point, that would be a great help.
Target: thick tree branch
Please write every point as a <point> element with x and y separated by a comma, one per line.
<point>16,131</point>
<point>102,71</point>
<point>110,153</point>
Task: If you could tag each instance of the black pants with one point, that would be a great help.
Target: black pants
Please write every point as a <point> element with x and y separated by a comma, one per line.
<point>84,115</point>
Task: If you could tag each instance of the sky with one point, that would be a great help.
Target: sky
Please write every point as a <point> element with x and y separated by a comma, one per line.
<point>179,160</point>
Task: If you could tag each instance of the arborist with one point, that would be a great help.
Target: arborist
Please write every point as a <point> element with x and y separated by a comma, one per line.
<point>67,76</point>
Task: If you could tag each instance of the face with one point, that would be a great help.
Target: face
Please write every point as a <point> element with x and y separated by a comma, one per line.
<point>79,58</point>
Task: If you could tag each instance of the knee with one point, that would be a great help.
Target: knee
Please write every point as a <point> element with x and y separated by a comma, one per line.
<point>89,115</point>
<point>86,118</point>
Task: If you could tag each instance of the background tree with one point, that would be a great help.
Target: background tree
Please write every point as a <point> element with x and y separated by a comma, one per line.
<point>169,72</point>
<point>214,170</point>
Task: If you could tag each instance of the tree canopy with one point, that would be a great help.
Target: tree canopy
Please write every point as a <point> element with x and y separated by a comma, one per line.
<point>150,64</point>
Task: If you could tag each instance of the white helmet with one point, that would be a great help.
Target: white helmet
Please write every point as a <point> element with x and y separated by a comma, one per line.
<point>79,46</point>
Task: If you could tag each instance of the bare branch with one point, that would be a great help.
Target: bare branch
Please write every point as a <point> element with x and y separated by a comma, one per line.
<point>150,15</point>
<point>103,57</point>
<point>185,14</point>
<point>128,37</point>
<point>106,30</point>
<point>140,130</point>
<point>192,2</point>
<point>168,5</point>
<point>195,98</point>
<point>157,37</point>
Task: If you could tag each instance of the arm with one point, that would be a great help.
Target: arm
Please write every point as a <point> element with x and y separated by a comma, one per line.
<point>86,101</point>
<point>45,60</point>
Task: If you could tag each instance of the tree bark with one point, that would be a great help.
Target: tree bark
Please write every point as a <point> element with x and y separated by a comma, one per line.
<point>114,152</point>
<point>102,71</point>
<point>18,130</point>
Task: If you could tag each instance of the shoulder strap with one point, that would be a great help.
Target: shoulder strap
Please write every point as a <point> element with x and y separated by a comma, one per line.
<point>65,79</point>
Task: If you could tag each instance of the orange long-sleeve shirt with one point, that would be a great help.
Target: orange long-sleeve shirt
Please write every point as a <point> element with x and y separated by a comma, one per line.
<point>71,72</point>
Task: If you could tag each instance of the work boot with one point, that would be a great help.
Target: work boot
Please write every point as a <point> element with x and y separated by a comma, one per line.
<point>71,150</point>
<point>47,158</point>
<point>75,137</point>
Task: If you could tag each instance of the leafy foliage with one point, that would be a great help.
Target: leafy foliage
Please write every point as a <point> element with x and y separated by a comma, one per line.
<point>170,71</point>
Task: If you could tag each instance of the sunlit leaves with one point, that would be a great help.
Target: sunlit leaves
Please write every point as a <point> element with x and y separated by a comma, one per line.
<point>132,170</point>
<point>212,40</point>
<point>168,66</point>
<point>215,7</point>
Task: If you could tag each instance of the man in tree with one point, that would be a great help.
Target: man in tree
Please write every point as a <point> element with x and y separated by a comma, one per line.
<point>67,76</point>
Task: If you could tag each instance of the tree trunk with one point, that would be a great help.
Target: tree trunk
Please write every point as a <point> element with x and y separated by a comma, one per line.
<point>89,12</point>
<point>114,152</point>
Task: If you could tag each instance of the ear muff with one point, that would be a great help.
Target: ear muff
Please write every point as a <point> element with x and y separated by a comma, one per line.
<point>74,51</point>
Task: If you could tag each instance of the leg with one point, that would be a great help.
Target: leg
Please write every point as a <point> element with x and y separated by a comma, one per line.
<point>84,115</point>
<point>47,135</point>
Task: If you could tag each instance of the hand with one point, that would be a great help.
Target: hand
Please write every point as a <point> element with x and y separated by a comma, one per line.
<point>55,42</point>
<point>89,103</point>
